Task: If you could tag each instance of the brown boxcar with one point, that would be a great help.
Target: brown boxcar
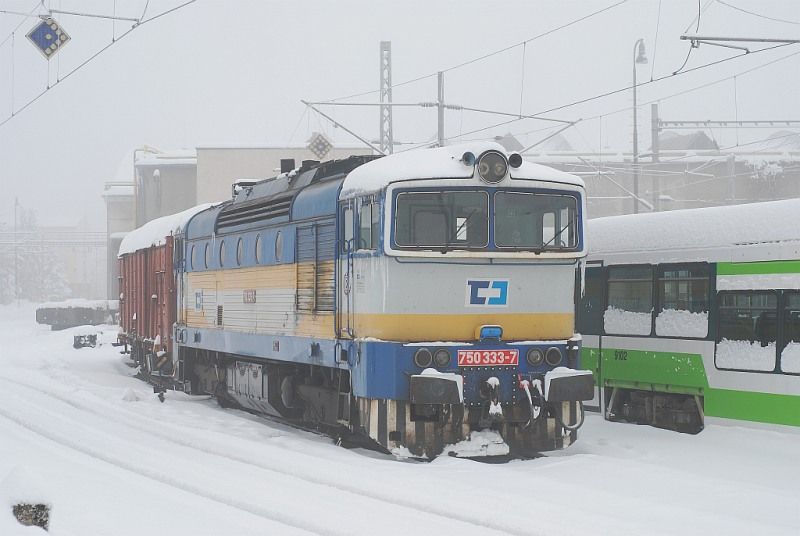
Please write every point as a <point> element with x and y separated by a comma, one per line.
<point>147,305</point>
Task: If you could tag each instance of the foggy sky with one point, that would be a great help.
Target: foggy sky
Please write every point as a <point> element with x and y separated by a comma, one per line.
<point>233,72</point>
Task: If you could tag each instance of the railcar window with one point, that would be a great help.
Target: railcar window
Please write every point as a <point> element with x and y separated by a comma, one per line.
<point>535,221</point>
<point>239,251</point>
<point>630,301</point>
<point>369,217</point>
<point>790,353</point>
<point>193,258</point>
<point>208,255</point>
<point>222,253</point>
<point>747,332</point>
<point>258,249</point>
<point>278,246</point>
<point>447,219</point>
<point>683,301</point>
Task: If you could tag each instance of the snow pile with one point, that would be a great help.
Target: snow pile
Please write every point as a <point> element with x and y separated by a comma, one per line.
<point>438,163</point>
<point>479,443</point>
<point>130,395</point>
<point>621,322</point>
<point>80,303</point>
<point>154,232</point>
<point>680,323</point>
<point>745,355</point>
<point>790,358</point>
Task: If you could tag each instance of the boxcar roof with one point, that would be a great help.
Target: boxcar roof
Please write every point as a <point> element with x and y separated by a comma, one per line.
<point>153,233</point>
<point>439,163</point>
<point>756,231</point>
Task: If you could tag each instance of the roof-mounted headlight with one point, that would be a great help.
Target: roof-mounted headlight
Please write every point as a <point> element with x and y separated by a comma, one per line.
<point>492,167</point>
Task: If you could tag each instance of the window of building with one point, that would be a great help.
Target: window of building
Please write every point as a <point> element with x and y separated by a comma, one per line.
<point>258,249</point>
<point>192,259</point>
<point>746,339</point>
<point>208,255</point>
<point>630,301</point>
<point>683,297</point>
<point>239,251</point>
<point>222,253</point>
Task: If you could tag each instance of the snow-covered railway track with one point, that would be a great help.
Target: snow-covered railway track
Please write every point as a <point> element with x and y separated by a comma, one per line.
<point>325,483</point>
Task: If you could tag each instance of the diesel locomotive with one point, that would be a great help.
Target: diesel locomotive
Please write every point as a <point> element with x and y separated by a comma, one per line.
<point>411,299</point>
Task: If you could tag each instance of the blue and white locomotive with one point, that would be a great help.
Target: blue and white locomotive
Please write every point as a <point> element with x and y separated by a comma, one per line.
<point>410,299</point>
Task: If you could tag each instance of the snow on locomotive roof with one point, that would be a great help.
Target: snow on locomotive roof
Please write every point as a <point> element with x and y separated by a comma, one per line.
<point>154,232</point>
<point>702,234</point>
<point>438,163</point>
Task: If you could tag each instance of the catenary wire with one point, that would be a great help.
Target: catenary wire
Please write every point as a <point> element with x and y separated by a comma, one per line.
<point>91,58</point>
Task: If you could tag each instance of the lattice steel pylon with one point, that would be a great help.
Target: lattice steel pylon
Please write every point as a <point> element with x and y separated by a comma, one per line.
<point>387,138</point>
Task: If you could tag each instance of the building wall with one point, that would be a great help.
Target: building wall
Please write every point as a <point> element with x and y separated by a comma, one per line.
<point>219,167</point>
<point>120,216</point>
<point>163,188</point>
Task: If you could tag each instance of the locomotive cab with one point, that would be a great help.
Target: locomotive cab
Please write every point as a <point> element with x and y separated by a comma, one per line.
<point>460,280</point>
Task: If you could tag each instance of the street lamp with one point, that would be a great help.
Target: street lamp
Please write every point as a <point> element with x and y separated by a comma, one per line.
<point>638,57</point>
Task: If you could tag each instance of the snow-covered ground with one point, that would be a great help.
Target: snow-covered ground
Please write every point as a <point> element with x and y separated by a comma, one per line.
<point>77,431</point>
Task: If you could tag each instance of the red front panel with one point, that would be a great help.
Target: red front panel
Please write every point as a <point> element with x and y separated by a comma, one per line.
<point>484,358</point>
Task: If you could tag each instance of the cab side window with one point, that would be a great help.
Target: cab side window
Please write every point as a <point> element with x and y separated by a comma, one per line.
<point>369,217</point>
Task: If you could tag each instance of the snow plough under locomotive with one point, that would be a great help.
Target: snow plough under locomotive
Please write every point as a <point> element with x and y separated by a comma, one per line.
<point>410,299</point>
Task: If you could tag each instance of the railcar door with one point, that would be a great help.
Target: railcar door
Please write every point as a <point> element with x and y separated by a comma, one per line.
<point>344,256</point>
<point>589,318</point>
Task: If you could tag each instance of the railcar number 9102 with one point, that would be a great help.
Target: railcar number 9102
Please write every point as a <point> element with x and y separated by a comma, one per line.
<point>480,358</point>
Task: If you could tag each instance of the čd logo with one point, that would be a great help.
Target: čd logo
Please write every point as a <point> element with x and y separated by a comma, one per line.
<point>492,292</point>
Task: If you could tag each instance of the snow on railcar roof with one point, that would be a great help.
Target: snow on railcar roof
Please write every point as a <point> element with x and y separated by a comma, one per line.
<point>698,234</point>
<point>439,163</point>
<point>154,232</point>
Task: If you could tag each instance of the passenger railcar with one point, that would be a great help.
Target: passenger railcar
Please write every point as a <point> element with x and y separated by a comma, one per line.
<point>694,315</point>
<point>410,299</point>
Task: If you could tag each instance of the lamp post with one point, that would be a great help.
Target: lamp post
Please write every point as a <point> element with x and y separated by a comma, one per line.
<point>638,58</point>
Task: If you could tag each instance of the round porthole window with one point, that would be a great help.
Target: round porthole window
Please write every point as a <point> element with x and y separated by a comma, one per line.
<point>278,246</point>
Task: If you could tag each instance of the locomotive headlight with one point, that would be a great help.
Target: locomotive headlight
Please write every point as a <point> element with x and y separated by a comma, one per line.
<point>553,356</point>
<point>423,358</point>
<point>534,357</point>
<point>441,357</point>
<point>492,167</point>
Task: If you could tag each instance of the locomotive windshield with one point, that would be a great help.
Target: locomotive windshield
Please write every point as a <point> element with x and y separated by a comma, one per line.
<point>459,219</point>
<point>535,221</point>
<point>454,218</point>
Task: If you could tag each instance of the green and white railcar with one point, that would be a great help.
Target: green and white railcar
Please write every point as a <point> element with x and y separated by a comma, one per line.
<point>691,316</point>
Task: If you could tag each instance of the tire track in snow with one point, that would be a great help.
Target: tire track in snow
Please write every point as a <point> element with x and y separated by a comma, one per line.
<point>310,476</point>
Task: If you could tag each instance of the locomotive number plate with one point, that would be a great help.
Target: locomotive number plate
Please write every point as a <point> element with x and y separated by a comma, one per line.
<point>482,358</point>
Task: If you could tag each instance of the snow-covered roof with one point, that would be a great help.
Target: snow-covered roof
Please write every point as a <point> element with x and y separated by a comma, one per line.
<point>766,231</point>
<point>82,303</point>
<point>439,163</point>
<point>154,232</point>
<point>113,189</point>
